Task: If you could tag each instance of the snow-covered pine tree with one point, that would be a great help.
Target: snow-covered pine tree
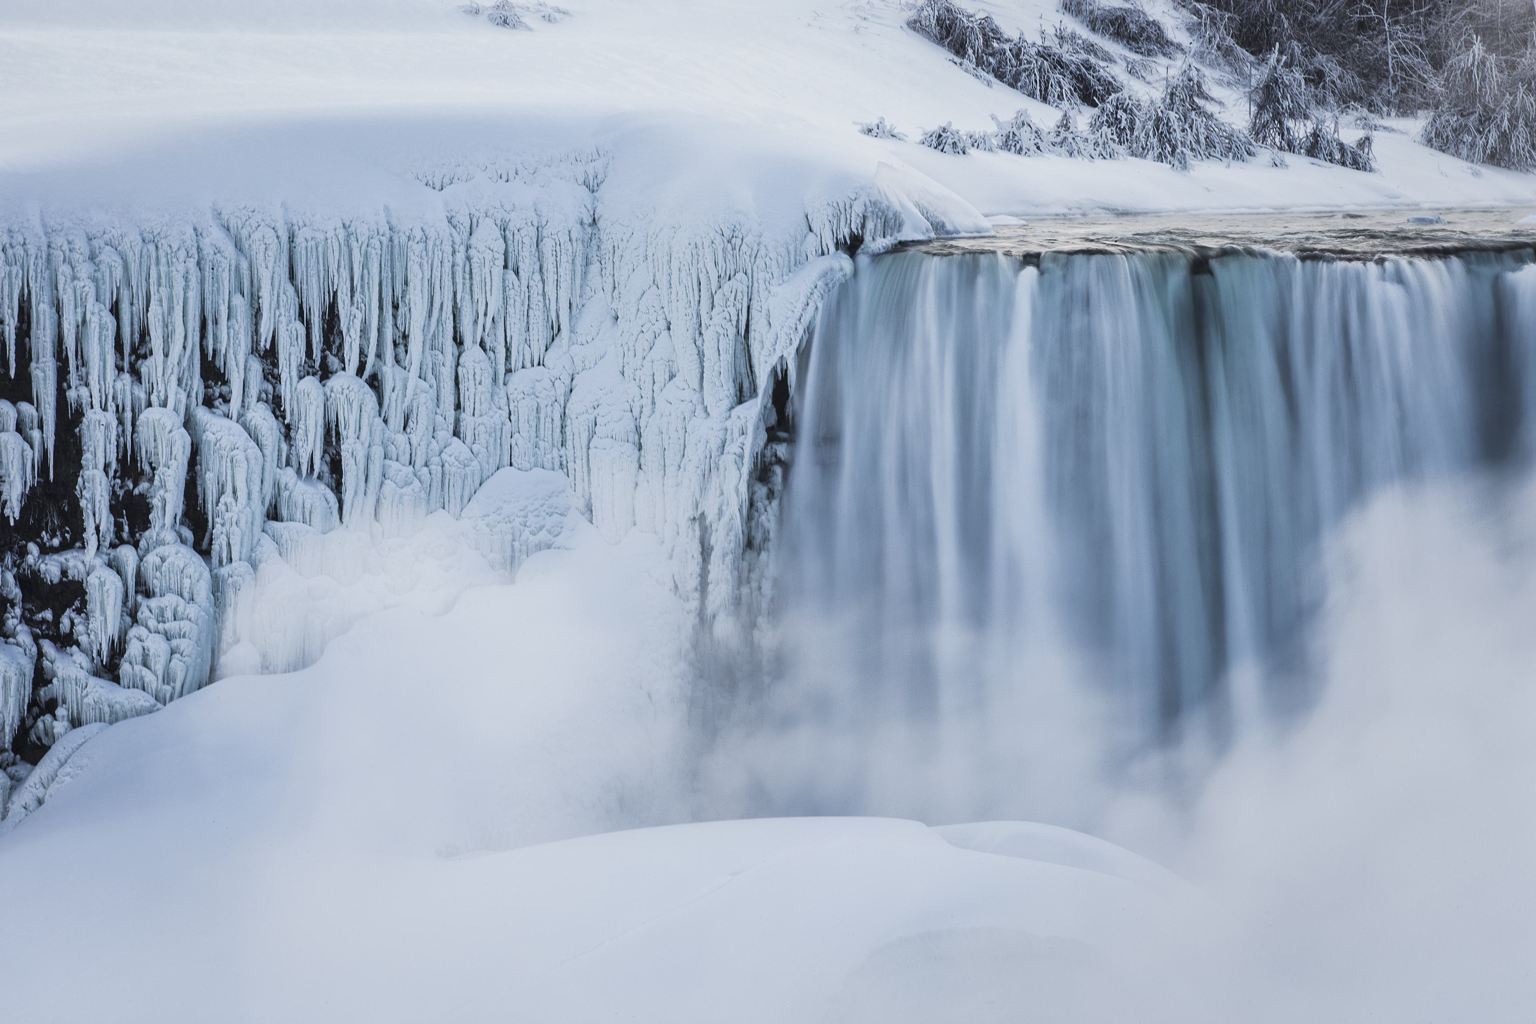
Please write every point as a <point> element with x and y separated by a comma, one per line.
<point>1322,142</point>
<point>1284,118</point>
<point>1072,41</point>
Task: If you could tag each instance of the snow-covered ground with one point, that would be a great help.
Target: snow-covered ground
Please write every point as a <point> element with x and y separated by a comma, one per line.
<point>351,842</point>
<point>289,86</point>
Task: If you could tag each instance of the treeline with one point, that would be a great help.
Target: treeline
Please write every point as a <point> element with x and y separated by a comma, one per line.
<point>1176,127</point>
<point>1469,64</point>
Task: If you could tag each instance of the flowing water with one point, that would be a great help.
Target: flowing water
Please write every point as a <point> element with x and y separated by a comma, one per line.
<point>1027,483</point>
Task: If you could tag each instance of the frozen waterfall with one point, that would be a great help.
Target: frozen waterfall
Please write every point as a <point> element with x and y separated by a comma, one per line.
<point>1115,469</point>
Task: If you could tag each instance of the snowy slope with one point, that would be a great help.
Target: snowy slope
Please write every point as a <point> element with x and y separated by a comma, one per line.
<point>84,82</point>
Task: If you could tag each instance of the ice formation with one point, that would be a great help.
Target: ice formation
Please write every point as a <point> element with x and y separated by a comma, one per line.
<point>304,373</point>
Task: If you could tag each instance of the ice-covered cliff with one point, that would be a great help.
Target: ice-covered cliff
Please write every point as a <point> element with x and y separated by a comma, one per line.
<point>189,396</point>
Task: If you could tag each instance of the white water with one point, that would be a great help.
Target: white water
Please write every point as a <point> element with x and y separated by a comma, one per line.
<point>1041,521</point>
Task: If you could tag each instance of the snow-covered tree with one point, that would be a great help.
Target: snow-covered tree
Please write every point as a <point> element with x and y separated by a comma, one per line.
<point>1039,70</point>
<point>1286,119</point>
<point>946,138</point>
<point>982,141</point>
<point>1115,127</point>
<point>1020,136</point>
<point>1175,129</point>
<point>1204,136</point>
<point>1322,142</point>
<point>1066,140</point>
<point>880,128</point>
<point>504,14</point>
<point>1278,103</point>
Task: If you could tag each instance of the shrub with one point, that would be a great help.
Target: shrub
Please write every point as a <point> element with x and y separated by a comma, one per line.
<point>1211,32</point>
<point>1283,119</point>
<point>1204,136</point>
<point>982,141</point>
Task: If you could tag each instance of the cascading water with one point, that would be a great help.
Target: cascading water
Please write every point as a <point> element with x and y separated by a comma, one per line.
<point>1098,483</point>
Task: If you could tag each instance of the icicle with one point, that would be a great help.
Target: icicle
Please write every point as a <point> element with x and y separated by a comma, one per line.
<point>536,400</point>
<point>403,499</point>
<point>229,583</point>
<point>263,428</point>
<point>230,473</point>
<point>29,426</point>
<point>306,423</point>
<point>125,562</point>
<point>16,670</point>
<point>483,422</point>
<point>98,441</point>
<point>164,448</point>
<point>45,392</point>
<point>18,472</point>
<point>95,494</point>
<point>353,414</point>
<point>98,341</point>
<point>104,598</point>
<point>461,475</point>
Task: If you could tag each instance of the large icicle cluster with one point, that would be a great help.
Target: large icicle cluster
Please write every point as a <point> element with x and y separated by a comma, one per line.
<point>181,400</point>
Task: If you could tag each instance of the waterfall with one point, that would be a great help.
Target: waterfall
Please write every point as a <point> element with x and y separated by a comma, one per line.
<point>1108,475</point>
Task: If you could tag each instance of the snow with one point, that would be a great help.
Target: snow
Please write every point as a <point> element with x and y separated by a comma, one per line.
<point>90,79</point>
<point>446,881</point>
